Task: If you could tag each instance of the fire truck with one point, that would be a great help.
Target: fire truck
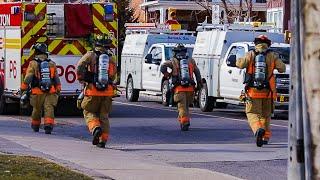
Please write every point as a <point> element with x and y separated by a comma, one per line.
<point>68,29</point>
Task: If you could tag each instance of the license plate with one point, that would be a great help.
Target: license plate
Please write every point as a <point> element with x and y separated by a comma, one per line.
<point>282,99</point>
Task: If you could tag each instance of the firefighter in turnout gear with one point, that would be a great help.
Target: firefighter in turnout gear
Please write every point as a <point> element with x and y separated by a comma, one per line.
<point>182,80</point>
<point>260,87</point>
<point>43,79</point>
<point>96,70</point>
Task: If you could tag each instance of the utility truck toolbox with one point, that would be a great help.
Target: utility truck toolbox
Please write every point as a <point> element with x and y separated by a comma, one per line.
<point>223,82</point>
<point>145,48</point>
<point>58,25</point>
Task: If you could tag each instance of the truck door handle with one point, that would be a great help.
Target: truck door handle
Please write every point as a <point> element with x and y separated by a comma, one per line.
<point>230,71</point>
<point>150,67</point>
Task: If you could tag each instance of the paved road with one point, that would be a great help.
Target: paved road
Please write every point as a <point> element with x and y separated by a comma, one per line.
<point>219,141</point>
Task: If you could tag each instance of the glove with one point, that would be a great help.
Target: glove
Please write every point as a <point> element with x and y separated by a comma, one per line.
<point>166,75</point>
<point>199,85</point>
<point>24,100</point>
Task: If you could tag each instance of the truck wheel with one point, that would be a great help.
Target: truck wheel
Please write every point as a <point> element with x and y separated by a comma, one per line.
<point>26,111</point>
<point>221,105</point>
<point>132,94</point>
<point>206,102</point>
<point>165,93</point>
<point>3,105</point>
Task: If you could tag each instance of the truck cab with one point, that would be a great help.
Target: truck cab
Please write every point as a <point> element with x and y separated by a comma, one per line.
<point>231,78</point>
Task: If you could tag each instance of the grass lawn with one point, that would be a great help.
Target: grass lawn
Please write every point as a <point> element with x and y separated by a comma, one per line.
<point>26,167</point>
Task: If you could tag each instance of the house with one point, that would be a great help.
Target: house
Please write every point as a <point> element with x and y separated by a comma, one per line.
<point>190,13</point>
<point>278,12</point>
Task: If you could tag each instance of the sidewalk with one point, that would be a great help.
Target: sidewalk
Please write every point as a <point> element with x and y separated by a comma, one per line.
<point>97,163</point>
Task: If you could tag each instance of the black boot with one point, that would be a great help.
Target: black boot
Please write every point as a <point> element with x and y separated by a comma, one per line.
<point>101,145</point>
<point>96,135</point>
<point>265,141</point>
<point>48,129</point>
<point>35,128</point>
<point>259,137</point>
<point>185,126</point>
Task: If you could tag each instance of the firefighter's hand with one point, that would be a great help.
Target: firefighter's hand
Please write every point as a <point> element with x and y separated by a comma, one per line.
<point>22,92</point>
<point>166,75</point>
<point>88,77</point>
<point>58,93</point>
<point>199,85</point>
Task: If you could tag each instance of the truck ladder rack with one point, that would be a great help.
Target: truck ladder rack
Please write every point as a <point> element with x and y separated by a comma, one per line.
<point>151,28</point>
<point>236,27</point>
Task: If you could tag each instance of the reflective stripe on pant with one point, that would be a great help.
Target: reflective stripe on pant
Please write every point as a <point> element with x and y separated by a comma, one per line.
<point>96,110</point>
<point>259,115</point>
<point>46,101</point>
<point>184,99</point>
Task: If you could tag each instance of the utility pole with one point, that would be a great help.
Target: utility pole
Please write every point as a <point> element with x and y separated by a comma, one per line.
<point>311,68</point>
<point>304,110</point>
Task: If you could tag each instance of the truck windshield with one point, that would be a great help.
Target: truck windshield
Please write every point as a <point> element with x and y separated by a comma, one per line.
<point>169,52</point>
<point>284,53</point>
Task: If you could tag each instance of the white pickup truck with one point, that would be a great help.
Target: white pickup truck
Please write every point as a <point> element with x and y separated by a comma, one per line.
<point>141,59</point>
<point>215,53</point>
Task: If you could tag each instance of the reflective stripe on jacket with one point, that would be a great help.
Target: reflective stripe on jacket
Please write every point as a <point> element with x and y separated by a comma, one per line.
<point>91,90</point>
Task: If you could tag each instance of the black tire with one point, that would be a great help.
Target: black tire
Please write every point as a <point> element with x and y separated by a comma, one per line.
<point>221,105</point>
<point>132,94</point>
<point>165,93</point>
<point>26,111</point>
<point>3,105</point>
<point>206,102</point>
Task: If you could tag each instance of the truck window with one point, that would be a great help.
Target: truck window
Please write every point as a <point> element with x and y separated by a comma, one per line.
<point>169,53</point>
<point>233,51</point>
<point>283,52</point>
<point>240,52</point>
<point>156,53</point>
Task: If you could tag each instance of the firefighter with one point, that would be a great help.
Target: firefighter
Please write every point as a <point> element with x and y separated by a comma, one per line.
<point>43,79</point>
<point>260,90</point>
<point>172,19</point>
<point>182,72</point>
<point>97,71</point>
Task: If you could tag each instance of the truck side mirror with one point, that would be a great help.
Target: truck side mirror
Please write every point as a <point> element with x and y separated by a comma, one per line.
<point>231,61</point>
<point>148,59</point>
<point>156,62</point>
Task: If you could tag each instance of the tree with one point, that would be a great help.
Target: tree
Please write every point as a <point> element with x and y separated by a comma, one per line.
<point>126,15</point>
<point>230,10</point>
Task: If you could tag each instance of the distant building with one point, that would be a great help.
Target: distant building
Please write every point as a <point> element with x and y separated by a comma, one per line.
<point>189,12</point>
<point>278,12</point>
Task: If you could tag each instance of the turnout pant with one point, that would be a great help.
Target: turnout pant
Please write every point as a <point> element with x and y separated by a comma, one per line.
<point>47,102</point>
<point>259,113</point>
<point>183,100</point>
<point>96,110</point>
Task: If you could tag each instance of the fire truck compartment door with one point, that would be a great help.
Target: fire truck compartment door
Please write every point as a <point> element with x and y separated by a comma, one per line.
<point>12,57</point>
<point>66,67</point>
